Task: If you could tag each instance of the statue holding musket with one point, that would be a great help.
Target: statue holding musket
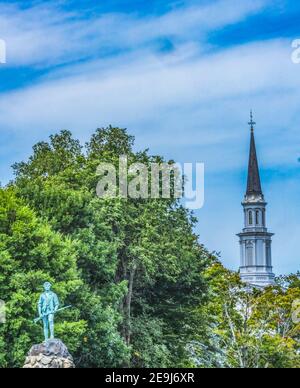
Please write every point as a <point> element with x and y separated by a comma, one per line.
<point>48,306</point>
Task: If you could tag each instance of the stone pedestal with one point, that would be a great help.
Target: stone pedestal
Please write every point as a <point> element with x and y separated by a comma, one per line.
<point>52,354</point>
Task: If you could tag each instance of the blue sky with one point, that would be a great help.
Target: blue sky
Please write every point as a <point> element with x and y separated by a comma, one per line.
<point>182,77</point>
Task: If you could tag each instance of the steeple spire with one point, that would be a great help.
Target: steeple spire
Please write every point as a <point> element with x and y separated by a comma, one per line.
<point>251,122</point>
<point>255,240</point>
<point>254,184</point>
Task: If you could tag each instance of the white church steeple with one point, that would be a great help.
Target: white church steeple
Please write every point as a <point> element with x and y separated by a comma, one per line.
<point>255,240</point>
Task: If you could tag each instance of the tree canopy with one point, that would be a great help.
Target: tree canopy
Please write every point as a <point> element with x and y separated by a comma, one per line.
<point>144,291</point>
<point>141,258</point>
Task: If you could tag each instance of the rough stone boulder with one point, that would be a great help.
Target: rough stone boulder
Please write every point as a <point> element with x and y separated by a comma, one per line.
<point>52,354</point>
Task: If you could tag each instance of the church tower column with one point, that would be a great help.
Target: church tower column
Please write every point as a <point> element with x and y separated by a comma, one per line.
<point>255,240</point>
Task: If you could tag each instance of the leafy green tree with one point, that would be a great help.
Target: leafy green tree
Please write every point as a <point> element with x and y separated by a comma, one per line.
<point>30,254</point>
<point>139,256</point>
<point>145,292</point>
<point>248,328</point>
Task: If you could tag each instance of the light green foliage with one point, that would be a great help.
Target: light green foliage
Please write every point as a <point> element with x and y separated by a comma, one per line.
<point>145,292</point>
<point>139,257</point>
<point>249,328</point>
<point>30,254</point>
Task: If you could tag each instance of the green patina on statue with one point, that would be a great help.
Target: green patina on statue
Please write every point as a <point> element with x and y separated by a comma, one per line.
<point>48,305</point>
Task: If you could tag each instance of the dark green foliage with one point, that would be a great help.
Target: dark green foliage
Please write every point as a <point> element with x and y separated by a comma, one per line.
<point>30,254</point>
<point>145,292</point>
<point>140,263</point>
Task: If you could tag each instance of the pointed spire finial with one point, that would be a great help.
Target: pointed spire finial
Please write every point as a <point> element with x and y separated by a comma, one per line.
<point>254,184</point>
<point>251,122</point>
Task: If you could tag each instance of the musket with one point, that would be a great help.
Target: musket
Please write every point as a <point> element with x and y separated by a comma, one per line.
<point>36,320</point>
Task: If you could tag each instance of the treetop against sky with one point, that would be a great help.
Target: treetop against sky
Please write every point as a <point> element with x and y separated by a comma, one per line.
<point>182,77</point>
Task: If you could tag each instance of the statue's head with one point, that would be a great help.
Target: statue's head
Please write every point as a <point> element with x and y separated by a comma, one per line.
<point>47,286</point>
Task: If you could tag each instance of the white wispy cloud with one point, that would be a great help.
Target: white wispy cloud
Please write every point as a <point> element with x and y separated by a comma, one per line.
<point>189,103</point>
<point>160,92</point>
<point>176,87</point>
<point>46,35</point>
